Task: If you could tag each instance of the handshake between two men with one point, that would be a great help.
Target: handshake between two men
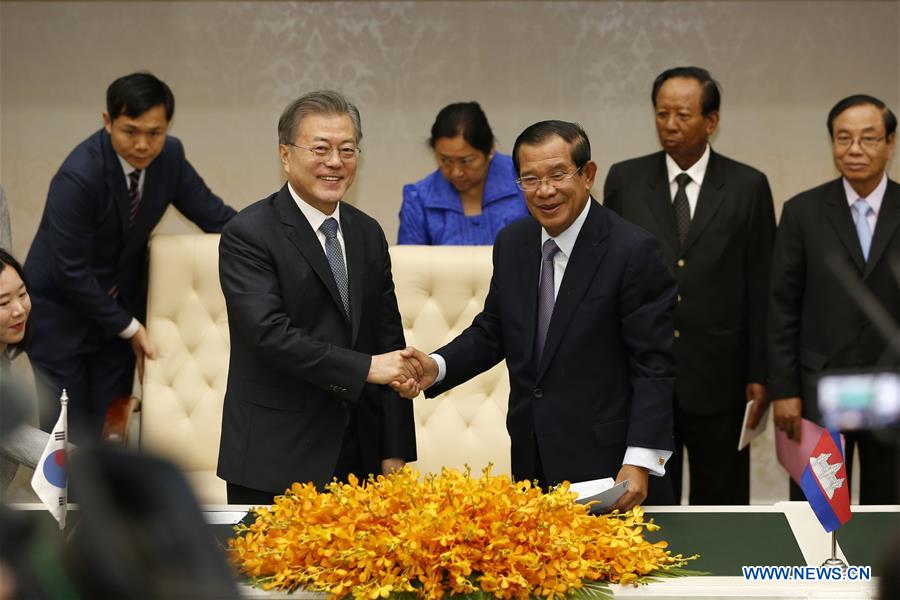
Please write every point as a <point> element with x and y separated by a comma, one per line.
<point>407,371</point>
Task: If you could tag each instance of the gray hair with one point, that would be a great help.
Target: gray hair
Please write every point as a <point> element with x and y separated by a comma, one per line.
<point>322,102</point>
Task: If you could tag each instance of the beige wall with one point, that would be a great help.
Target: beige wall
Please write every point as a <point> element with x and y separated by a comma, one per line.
<point>234,65</point>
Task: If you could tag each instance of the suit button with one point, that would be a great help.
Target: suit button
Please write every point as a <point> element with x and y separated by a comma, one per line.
<point>678,298</point>
<point>345,404</point>
<point>677,333</point>
<point>538,393</point>
<point>680,262</point>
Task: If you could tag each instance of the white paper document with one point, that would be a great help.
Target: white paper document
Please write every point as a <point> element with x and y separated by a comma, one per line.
<point>748,435</point>
<point>602,492</point>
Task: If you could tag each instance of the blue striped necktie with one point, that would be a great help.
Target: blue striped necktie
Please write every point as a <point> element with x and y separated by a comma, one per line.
<point>336,261</point>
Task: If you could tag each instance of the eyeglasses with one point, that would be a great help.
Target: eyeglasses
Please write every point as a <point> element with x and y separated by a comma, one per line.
<point>323,152</point>
<point>529,183</point>
<point>869,142</point>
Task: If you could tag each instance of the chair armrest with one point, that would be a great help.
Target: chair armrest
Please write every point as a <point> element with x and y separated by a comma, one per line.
<point>118,416</point>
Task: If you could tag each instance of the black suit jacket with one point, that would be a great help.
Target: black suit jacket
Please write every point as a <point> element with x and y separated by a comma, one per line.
<point>722,272</point>
<point>84,244</point>
<point>814,324</point>
<point>298,367</point>
<point>606,373</point>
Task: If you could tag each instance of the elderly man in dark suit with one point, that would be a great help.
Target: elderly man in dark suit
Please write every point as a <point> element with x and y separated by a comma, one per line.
<point>814,323</point>
<point>580,306</point>
<point>87,264</point>
<point>715,219</point>
<point>315,329</point>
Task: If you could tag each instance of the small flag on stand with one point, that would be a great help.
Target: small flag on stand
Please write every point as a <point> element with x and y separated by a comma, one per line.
<point>51,474</point>
<point>825,484</point>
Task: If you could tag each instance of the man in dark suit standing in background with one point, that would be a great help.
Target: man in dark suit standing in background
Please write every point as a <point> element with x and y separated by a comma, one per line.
<point>580,306</point>
<point>86,268</point>
<point>715,219</point>
<point>313,319</point>
<point>814,323</point>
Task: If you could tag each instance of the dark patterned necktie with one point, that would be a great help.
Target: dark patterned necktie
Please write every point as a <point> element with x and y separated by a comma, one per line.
<point>134,195</point>
<point>546,297</point>
<point>682,207</point>
<point>336,260</point>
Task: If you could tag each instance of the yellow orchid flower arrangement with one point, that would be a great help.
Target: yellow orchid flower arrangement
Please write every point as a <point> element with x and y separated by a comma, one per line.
<point>448,535</point>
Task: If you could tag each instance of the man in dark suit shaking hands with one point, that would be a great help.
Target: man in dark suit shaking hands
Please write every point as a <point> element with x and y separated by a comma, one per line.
<point>87,264</point>
<point>814,323</point>
<point>580,306</point>
<point>715,219</point>
<point>312,314</point>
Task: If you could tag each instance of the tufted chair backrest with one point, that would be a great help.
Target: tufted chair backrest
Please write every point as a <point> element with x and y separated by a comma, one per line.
<point>439,291</point>
<point>183,389</point>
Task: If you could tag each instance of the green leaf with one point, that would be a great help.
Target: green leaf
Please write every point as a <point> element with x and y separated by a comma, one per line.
<point>592,590</point>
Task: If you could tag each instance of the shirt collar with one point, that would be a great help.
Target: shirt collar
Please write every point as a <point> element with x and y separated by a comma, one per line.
<point>126,166</point>
<point>500,183</point>
<point>697,171</point>
<point>874,199</point>
<point>315,216</point>
<point>565,241</point>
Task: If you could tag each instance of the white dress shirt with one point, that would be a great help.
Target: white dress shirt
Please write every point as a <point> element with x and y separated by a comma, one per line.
<point>652,459</point>
<point>127,169</point>
<point>316,217</point>
<point>874,200</point>
<point>697,172</point>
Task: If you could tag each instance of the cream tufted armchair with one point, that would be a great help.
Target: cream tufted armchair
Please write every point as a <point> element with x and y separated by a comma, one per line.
<point>439,290</point>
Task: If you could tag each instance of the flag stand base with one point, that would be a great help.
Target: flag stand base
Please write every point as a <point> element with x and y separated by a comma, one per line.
<point>834,561</point>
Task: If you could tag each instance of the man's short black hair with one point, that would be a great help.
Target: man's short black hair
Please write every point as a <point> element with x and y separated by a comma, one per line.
<point>133,95</point>
<point>571,133</point>
<point>710,97</point>
<point>890,121</point>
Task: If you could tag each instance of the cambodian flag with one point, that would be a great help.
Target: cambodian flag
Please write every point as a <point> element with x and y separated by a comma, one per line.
<point>825,483</point>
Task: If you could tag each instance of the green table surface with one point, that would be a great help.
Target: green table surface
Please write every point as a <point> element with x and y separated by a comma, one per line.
<point>727,541</point>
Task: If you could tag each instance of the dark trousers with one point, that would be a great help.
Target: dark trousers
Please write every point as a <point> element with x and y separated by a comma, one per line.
<point>91,382</point>
<point>878,463</point>
<point>349,462</point>
<point>719,474</point>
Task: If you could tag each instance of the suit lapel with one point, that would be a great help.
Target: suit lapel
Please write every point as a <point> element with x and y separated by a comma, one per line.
<point>115,183</point>
<point>353,248</point>
<point>529,270</point>
<point>307,243</point>
<point>709,201</point>
<point>885,227</point>
<point>837,211</point>
<point>660,201</point>
<point>587,255</point>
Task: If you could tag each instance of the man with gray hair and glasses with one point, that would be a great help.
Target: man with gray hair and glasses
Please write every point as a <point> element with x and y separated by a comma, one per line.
<point>313,319</point>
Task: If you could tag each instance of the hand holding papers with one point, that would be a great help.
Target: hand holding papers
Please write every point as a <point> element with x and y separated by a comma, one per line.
<point>603,493</point>
<point>749,434</point>
<point>793,455</point>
